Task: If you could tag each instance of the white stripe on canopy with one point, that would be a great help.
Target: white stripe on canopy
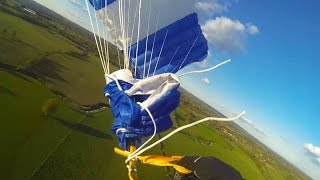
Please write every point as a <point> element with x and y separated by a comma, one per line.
<point>169,12</point>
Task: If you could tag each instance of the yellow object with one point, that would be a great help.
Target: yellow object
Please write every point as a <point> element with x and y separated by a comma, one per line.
<point>157,161</point>
<point>132,166</point>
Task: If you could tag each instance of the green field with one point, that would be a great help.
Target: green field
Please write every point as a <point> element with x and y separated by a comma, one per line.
<point>40,63</point>
<point>52,57</point>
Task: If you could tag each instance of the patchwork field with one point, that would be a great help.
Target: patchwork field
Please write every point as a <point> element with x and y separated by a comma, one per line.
<point>38,63</point>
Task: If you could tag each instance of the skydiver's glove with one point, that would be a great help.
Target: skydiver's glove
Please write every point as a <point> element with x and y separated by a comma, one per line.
<point>207,168</point>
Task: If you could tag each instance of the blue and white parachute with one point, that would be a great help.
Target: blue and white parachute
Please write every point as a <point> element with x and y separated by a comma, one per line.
<point>158,38</point>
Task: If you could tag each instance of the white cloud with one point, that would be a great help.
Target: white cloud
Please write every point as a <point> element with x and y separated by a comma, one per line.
<point>313,150</point>
<point>205,63</point>
<point>77,4</point>
<point>227,35</point>
<point>252,29</point>
<point>246,120</point>
<point>260,130</point>
<point>211,7</point>
<point>205,80</point>
<point>202,65</point>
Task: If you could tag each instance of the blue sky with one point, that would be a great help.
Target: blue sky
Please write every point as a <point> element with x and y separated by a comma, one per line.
<point>274,73</point>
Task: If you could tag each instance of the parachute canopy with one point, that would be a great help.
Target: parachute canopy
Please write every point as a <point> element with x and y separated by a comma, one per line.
<point>157,38</point>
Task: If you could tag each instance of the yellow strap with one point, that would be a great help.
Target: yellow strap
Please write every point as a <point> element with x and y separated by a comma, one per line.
<point>158,161</point>
<point>132,165</point>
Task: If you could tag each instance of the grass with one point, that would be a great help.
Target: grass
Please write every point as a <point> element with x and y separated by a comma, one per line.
<point>33,42</point>
<point>22,123</point>
<point>52,57</point>
<point>93,158</point>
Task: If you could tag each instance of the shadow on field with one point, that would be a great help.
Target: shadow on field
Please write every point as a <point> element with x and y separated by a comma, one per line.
<point>77,55</point>
<point>17,72</point>
<point>83,128</point>
<point>5,90</point>
<point>47,69</point>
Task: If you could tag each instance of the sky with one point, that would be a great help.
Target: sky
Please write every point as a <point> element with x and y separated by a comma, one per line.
<point>274,72</point>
